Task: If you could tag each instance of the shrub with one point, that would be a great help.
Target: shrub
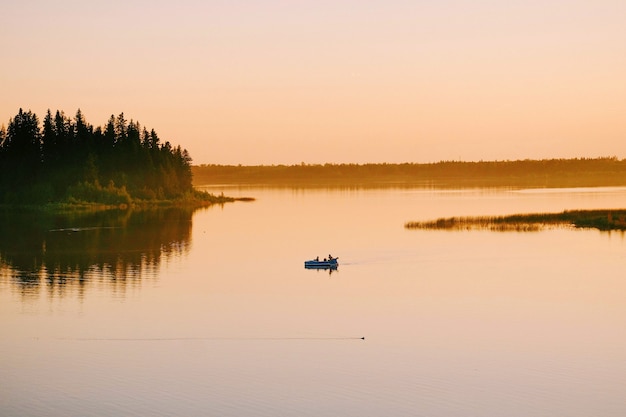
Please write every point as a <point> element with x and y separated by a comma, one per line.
<point>95,193</point>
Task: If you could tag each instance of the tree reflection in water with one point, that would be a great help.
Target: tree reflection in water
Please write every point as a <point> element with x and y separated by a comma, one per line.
<point>70,252</point>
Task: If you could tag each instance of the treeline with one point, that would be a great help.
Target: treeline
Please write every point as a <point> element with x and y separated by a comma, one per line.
<point>605,171</point>
<point>68,159</point>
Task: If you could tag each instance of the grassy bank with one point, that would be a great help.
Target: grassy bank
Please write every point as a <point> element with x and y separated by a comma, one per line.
<point>597,219</point>
<point>193,199</point>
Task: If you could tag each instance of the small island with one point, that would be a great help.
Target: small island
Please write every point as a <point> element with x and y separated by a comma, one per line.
<point>69,162</point>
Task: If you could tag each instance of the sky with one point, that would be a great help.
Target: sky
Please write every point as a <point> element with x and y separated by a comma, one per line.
<point>343,81</point>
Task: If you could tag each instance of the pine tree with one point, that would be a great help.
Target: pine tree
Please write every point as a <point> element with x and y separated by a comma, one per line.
<point>49,142</point>
<point>23,143</point>
<point>121,128</point>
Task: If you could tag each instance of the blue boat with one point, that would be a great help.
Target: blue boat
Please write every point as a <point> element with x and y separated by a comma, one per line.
<point>326,263</point>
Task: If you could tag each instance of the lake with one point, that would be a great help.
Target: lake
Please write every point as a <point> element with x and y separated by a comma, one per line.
<point>211,313</point>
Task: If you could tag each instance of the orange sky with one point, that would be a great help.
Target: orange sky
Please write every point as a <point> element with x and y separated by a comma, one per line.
<point>271,82</point>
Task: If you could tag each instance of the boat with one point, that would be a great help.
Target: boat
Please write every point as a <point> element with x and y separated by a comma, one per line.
<point>326,263</point>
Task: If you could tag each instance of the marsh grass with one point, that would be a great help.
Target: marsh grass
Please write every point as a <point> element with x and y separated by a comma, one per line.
<point>602,219</point>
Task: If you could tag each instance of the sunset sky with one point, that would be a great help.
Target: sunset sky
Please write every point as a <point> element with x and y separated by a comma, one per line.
<point>284,82</point>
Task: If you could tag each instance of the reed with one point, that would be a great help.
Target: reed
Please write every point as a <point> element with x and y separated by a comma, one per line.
<point>601,219</point>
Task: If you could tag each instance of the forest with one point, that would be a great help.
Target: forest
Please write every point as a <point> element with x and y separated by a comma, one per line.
<point>69,160</point>
<point>575,172</point>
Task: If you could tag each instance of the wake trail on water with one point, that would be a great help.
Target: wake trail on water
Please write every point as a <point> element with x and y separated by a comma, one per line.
<point>82,229</point>
<point>165,339</point>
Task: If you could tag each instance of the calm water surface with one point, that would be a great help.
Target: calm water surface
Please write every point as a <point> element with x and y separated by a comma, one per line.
<point>212,314</point>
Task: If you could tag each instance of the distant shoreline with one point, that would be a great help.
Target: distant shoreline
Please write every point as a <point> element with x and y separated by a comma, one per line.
<point>547,173</point>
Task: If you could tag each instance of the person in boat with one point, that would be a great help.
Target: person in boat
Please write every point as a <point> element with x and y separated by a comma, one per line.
<point>317,259</point>
<point>330,258</point>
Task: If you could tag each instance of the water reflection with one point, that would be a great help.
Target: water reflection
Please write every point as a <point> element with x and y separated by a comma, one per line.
<point>66,253</point>
<point>330,269</point>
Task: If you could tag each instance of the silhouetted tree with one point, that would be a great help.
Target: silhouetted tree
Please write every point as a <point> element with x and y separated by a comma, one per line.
<point>121,129</point>
<point>22,147</point>
<point>49,141</point>
<point>109,133</point>
<point>83,134</point>
<point>3,135</point>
